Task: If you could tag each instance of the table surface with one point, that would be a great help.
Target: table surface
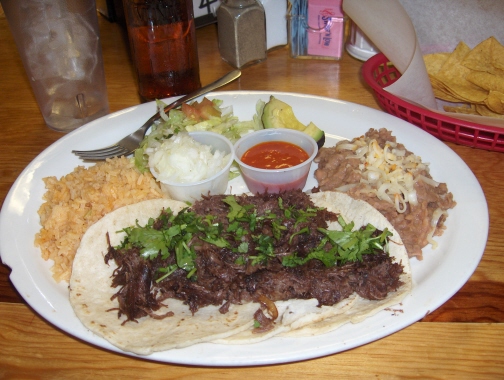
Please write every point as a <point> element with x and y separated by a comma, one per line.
<point>463,338</point>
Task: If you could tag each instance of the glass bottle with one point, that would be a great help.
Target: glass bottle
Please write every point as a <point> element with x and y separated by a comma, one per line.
<point>242,32</point>
<point>163,46</point>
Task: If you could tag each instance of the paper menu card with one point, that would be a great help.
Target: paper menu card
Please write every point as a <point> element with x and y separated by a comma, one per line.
<point>390,27</point>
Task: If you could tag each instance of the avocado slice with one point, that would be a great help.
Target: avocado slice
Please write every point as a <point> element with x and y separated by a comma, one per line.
<point>278,114</point>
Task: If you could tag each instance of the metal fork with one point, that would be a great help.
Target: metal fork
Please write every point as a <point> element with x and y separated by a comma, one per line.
<point>131,142</point>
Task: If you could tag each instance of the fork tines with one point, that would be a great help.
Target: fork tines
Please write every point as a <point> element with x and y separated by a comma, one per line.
<point>102,154</point>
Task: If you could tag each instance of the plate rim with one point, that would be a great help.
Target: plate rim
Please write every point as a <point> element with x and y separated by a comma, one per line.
<point>402,323</point>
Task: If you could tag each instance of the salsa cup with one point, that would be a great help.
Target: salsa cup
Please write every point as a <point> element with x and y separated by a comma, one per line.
<point>275,180</point>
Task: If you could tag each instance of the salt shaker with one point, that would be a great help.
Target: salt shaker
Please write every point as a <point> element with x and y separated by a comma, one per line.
<point>242,32</point>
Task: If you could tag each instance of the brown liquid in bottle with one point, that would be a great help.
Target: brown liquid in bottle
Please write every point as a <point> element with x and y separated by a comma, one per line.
<point>163,45</point>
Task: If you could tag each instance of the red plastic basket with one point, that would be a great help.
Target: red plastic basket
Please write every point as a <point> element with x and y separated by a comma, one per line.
<point>379,72</point>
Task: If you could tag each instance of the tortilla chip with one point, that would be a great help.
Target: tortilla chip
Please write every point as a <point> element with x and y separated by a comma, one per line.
<point>486,81</point>
<point>468,110</point>
<point>497,55</point>
<point>434,62</point>
<point>453,76</point>
<point>487,56</point>
<point>480,58</point>
<point>442,93</point>
<point>495,102</point>
<point>446,97</point>
<point>483,110</point>
<point>474,76</point>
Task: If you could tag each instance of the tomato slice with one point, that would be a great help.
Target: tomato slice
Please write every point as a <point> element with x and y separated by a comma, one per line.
<point>200,111</point>
<point>191,112</point>
<point>207,109</point>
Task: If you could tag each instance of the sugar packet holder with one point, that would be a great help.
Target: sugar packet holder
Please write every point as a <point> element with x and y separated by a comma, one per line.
<point>316,29</point>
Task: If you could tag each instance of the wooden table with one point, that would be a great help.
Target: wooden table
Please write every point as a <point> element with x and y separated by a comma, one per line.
<point>463,338</point>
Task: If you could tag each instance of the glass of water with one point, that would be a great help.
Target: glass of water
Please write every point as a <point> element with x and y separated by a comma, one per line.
<point>59,45</point>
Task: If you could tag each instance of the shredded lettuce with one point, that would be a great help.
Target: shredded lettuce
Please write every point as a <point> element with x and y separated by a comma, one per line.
<point>175,121</point>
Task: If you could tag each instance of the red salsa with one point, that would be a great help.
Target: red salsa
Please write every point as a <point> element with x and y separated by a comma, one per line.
<point>274,155</point>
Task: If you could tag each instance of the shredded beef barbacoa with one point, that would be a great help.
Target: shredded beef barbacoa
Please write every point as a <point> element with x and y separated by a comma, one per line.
<point>221,279</point>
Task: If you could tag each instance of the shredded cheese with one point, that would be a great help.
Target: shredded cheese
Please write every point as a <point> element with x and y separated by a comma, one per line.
<point>389,171</point>
<point>434,222</point>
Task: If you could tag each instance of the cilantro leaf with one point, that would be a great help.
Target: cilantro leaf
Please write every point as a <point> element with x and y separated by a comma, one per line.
<point>185,256</point>
<point>236,211</point>
<point>351,245</point>
<point>243,247</point>
<point>167,271</point>
<point>220,242</point>
<point>292,260</point>
<point>152,241</point>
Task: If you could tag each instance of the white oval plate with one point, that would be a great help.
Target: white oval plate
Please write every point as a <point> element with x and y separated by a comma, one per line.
<point>436,278</point>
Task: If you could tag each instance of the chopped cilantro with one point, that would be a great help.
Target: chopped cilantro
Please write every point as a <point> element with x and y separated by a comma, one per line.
<point>353,244</point>
<point>150,241</point>
<point>243,247</point>
<point>236,211</point>
<point>245,237</point>
<point>167,271</point>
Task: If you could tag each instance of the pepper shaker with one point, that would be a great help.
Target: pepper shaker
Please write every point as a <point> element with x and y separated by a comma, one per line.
<point>242,32</point>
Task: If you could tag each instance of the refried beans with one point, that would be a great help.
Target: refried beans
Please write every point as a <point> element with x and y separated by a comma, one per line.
<point>377,169</point>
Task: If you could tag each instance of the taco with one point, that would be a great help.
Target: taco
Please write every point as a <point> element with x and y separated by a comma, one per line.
<point>91,294</point>
<point>306,317</point>
<point>360,212</point>
<point>264,295</point>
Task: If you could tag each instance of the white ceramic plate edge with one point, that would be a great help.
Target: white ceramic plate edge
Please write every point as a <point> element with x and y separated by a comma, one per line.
<point>332,116</point>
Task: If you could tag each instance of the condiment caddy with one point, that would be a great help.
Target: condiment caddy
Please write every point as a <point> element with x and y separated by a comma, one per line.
<point>248,29</point>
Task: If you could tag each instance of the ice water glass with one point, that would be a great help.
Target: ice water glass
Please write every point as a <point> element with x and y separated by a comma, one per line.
<point>59,45</point>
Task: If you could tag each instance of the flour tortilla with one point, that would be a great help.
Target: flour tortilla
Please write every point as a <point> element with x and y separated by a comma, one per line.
<point>90,290</point>
<point>361,213</point>
<point>90,294</point>
<point>304,318</point>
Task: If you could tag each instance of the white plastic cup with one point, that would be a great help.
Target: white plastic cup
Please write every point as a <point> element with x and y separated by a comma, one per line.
<point>214,185</point>
<point>259,180</point>
<point>59,44</point>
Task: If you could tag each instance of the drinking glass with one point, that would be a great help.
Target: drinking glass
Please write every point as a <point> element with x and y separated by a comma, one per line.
<point>59,45</point>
